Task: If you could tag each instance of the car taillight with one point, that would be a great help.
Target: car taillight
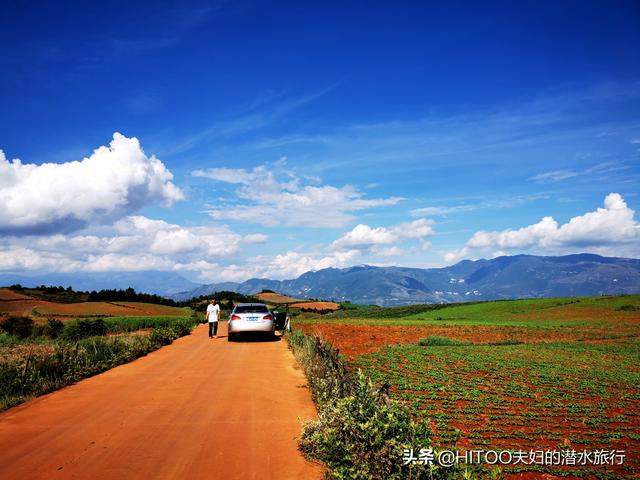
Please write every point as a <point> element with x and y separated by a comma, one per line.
<point>267,317</point>
<point>235,317</point>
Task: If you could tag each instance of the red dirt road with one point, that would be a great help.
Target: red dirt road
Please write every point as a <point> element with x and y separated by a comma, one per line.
<point>198,408</point>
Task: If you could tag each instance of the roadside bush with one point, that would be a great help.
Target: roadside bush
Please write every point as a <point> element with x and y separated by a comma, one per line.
<point>79,329</point>
<point>162,336</point>
<point>181,328</point>
<point>131,324</point>
<point>21,327</point>
<point>360,434</point>
<point>437,341</point>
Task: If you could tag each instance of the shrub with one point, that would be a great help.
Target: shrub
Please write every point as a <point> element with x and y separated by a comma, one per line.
<point>8,340</point>
<point>362,435</point>
<point>181,328</point>
<point>437,341</point>
<point>18,326</point>
<point>53,328</point>
<point>75,331</point>
<point>162,336</point>
<point>629,308</point>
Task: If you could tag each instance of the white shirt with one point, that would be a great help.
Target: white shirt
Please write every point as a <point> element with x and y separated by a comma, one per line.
<point>212,312</point>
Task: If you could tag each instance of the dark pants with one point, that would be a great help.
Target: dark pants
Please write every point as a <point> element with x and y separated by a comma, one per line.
<point>213,327</point>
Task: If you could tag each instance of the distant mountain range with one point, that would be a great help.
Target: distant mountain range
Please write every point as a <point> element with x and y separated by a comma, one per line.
<point>519,276</point>
<point>160,283</point>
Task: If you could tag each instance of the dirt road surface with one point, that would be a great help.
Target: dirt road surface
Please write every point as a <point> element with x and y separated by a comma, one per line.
<point>195,409</point>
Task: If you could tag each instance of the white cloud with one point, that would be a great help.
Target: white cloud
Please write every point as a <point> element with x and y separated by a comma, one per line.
<point>255,238</point>
<point>134,243</point>
<point>442,210</point>
<point>611,230</point>
<point>282,266</point>
<point>393,251</point>
<point>18,258</point>
<point>600,169</point>
<point>498,203</point>
<point>555,176</point>
<point>364,236</point>
<point>273,195</point>
<point>294,264</point>
<point>114,181</point>
<point>138,243</point>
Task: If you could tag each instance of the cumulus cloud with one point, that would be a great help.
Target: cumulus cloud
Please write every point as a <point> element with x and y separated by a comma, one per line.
<point>111,183</point>
<point>134,243</point>
<point>364,236</point>
<point>611,230</point>
<point>272,195</point>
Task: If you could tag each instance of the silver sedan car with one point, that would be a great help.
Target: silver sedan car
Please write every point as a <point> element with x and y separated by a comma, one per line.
<point>250,317</point>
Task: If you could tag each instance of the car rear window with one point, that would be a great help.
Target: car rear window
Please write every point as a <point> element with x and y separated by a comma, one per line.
<point>251,309</point>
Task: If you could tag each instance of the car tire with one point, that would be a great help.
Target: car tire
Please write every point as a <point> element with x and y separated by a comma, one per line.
<point>230,337</point>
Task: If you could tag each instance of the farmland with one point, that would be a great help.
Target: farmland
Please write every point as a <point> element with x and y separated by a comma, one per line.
<point>527,374</point>
<point>275,299</point>
<point>317,306</point>
<point>18,303</point>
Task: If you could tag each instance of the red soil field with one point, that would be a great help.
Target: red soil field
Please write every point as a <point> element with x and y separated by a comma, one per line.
<point>354,340</point>
<point>12,303</point>
<point>270,297</point>
<point>7,295</point>
<point>317,305</point>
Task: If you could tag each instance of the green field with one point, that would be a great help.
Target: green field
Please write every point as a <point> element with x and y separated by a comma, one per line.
<point>526,374</point>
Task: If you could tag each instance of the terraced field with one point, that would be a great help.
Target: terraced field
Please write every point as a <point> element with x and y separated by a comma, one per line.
<point>529,374</point>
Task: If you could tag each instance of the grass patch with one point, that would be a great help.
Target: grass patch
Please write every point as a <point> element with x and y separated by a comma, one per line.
<point>542,313</point>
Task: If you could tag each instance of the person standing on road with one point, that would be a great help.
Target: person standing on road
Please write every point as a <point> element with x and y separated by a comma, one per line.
<point>213,315</point>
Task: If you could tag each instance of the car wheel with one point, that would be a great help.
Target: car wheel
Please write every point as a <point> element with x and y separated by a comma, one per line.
<point>230,337</point>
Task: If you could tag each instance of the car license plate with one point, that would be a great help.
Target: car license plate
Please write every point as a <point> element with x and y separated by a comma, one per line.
<point>253,318</point>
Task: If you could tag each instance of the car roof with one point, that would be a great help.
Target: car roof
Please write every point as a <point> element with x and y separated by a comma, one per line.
<point>251,304</point>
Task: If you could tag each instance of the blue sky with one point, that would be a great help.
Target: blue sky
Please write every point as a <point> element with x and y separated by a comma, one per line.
<point>296,135</point>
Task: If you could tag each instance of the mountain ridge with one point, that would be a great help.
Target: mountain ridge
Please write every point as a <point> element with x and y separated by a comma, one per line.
<point>517,276</point>
<point>505,277</point>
